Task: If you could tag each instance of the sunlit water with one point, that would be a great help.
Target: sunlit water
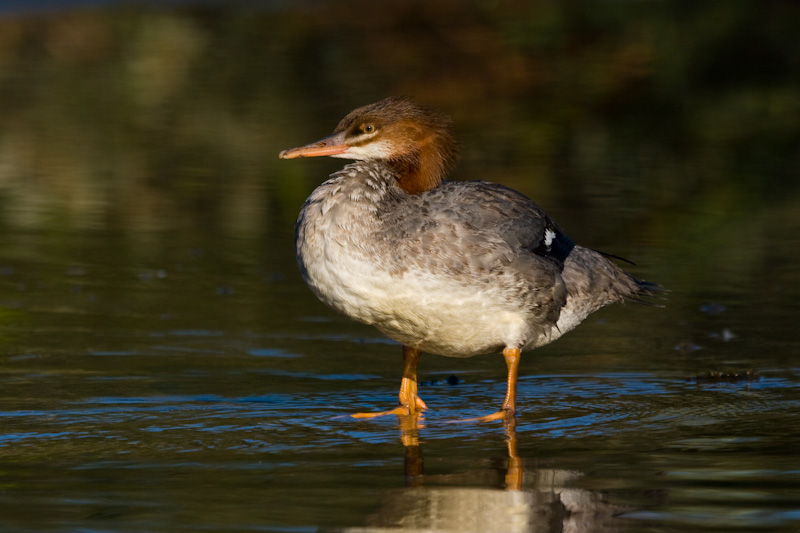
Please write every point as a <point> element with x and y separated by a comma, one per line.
<point>164,368</point>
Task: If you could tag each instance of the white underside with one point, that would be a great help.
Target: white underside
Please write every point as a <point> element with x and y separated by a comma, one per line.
<point>435,314</point>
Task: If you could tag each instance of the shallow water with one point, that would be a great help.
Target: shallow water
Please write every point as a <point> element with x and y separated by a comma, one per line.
<point>164,367</point>
<point>191,407</point>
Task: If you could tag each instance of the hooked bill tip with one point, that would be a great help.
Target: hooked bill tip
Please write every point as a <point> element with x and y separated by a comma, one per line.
<point>290,153</point>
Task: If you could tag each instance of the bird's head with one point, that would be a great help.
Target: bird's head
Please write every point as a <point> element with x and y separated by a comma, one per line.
<point>416,142</point>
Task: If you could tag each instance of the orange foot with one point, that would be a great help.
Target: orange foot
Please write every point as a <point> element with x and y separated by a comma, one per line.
<point>506,412</point>
<point>402,410</point>
<point>503,414</point>
<point>410,403</point>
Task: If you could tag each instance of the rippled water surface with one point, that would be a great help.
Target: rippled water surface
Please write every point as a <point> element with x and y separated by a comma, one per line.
<point>164,368</point>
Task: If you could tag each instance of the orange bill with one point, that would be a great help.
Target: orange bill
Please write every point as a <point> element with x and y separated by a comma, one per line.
<point>332,145</point>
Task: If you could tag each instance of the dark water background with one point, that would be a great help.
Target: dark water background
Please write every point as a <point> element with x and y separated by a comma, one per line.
<point>164,368</point>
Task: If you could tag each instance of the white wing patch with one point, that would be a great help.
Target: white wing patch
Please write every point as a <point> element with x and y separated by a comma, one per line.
<point>549,235</point>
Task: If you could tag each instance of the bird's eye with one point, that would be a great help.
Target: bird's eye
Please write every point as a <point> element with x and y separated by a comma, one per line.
<point>368,128</point>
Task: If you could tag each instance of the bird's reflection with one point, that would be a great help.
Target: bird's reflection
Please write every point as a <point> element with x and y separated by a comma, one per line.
<point>409,436</point>
<point>414,469</point>
<point>536,500</point>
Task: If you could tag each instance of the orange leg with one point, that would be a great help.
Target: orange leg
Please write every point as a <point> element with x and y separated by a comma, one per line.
<point>410,403</point>
<point>512,357</point>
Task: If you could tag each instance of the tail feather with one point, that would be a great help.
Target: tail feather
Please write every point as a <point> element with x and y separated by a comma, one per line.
<point>643,288</point>
<point>647,289</point>
<point>594,279</point>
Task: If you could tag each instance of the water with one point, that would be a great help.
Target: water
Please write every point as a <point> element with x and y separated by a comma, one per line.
<point>165,369</point>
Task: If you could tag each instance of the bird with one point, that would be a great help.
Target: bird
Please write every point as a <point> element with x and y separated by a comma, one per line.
<point>452,268</point>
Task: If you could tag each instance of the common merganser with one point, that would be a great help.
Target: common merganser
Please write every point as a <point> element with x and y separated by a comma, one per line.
<point>445,267</point>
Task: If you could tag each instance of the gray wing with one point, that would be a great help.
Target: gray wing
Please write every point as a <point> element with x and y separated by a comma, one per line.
<point>510,215</point>
<point>479,232</point>
<point>479,217</point>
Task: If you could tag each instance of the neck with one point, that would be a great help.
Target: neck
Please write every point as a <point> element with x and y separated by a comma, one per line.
<point>424,168</point>
<point>416,173</point>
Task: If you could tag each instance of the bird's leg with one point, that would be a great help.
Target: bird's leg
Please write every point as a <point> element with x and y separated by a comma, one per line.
<point>408,386</point>
<point>512,357</point>
<point>410,403</point>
